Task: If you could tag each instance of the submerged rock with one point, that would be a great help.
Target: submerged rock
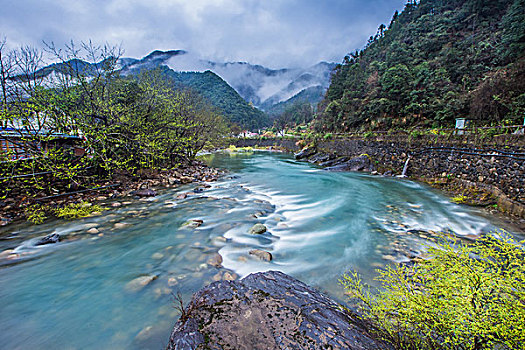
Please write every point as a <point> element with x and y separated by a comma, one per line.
<point>49,239</point>
<point>268,310</point>
<point>120,225</point>
<point>193,223</point>
<point>215,260</point>
<point>257,229</point>
<point>140,282</point>
<point>261,254</point>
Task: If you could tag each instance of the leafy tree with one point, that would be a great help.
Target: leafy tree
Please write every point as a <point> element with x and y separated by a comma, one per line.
<point>461,297</point>
<point>126,123</point>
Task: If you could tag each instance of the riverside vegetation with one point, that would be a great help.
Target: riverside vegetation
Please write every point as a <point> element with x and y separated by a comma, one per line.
<point>124,124</point>
<point>462,296</point>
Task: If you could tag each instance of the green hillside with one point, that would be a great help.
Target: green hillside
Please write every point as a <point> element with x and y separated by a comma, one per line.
<point>437,60</point>
<point>223,96</point>
<point>311,95</point>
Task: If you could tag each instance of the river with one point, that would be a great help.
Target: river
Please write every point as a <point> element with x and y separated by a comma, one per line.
<point>82,293</point>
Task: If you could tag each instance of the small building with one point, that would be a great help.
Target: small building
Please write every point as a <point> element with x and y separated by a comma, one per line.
<point>461,125</point>
<point>17,144</point>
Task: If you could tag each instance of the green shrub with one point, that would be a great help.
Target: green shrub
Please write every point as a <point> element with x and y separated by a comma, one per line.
<point>328,136</point>
<point>77,210</point>
<point>462,297</point>
<point>459,199</point>
<point>36,214</point>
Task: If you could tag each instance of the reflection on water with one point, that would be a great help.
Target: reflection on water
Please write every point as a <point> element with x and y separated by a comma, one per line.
<point>112,287</point>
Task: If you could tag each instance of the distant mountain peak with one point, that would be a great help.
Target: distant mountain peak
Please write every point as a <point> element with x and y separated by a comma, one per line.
<point>160,53</point>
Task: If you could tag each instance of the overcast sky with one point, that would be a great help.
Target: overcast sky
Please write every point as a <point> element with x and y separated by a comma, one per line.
<point>274,33</point>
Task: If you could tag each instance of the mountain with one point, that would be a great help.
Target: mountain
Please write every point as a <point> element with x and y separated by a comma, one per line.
<point>261,86</point>
<point>313,95</point>
<point>226,84</point>
<point>207,84</point>
<point>223,96</point>
<point>436,61</point>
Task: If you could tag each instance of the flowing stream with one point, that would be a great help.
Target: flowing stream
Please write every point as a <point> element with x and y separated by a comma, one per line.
<point>114,289</point>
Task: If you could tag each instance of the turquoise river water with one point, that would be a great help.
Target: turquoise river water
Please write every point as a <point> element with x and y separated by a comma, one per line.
<point>82,293</point>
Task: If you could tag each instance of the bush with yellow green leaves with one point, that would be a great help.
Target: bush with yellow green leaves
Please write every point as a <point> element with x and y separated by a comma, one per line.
<point>465,296</point>
<point>77,210</point>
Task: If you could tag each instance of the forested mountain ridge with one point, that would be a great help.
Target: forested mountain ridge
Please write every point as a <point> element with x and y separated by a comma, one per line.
<point>436,61</point>
<point>223,96</point>
<point>207,84</point>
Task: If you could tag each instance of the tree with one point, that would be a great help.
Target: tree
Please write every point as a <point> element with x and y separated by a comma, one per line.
<point>125,123</point>
<point>465,296</point>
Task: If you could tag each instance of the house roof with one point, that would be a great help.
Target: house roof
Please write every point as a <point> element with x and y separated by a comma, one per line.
<point>17,133</point>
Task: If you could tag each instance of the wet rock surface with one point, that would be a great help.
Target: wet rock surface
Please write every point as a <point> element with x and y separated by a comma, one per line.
<point>145,193</point>
<point>49,239</point>
<point>268,310</point>
<point>305,153</point>
<point>261,254</point>
<point>257,229</point>
<point>361,163</point>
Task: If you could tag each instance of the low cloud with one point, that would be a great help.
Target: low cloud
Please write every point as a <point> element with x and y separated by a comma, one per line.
<point>276,33</point>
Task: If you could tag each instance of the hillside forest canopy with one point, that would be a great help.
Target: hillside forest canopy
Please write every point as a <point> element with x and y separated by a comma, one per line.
<point>435,61</point>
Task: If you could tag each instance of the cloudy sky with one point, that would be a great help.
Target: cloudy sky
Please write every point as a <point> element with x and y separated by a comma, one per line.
<point>274,33</point>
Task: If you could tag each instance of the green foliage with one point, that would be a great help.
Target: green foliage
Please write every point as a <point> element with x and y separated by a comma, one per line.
<point>328,136</point>
<point>312,95</point>
<point>436,61</point>
<point>465,296</point>
<point>300,112</point>
<point>77,210</point>
<point>459,199</point>
<point>36,214</point>
<point>123,123</point>
<point>222,96</point>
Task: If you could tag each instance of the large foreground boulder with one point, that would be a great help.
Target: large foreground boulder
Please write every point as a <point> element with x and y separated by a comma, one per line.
<point>269,310</point>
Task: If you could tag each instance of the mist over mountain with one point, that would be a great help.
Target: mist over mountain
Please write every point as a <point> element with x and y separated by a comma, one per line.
<point>261,86</point>
<point>240,89</point>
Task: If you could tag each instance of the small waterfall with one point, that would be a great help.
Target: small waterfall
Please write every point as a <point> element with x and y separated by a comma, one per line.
<point>404,173</point>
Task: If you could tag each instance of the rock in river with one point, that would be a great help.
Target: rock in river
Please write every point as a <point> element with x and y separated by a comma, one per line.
<point>261,254</point>
<point>257,229</point>
<point>268,310</point>
<point>215,260</point>
<point>93,231</point>
<point>305,153</point>
<point>361,163</point>
<point>140,282</point>
<point>49,239</point>
<point>145,193</point>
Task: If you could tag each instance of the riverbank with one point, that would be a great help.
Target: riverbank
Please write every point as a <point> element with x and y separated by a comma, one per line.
<point>485,176</point>
<point>109,282</point>
<point>143,183</point>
